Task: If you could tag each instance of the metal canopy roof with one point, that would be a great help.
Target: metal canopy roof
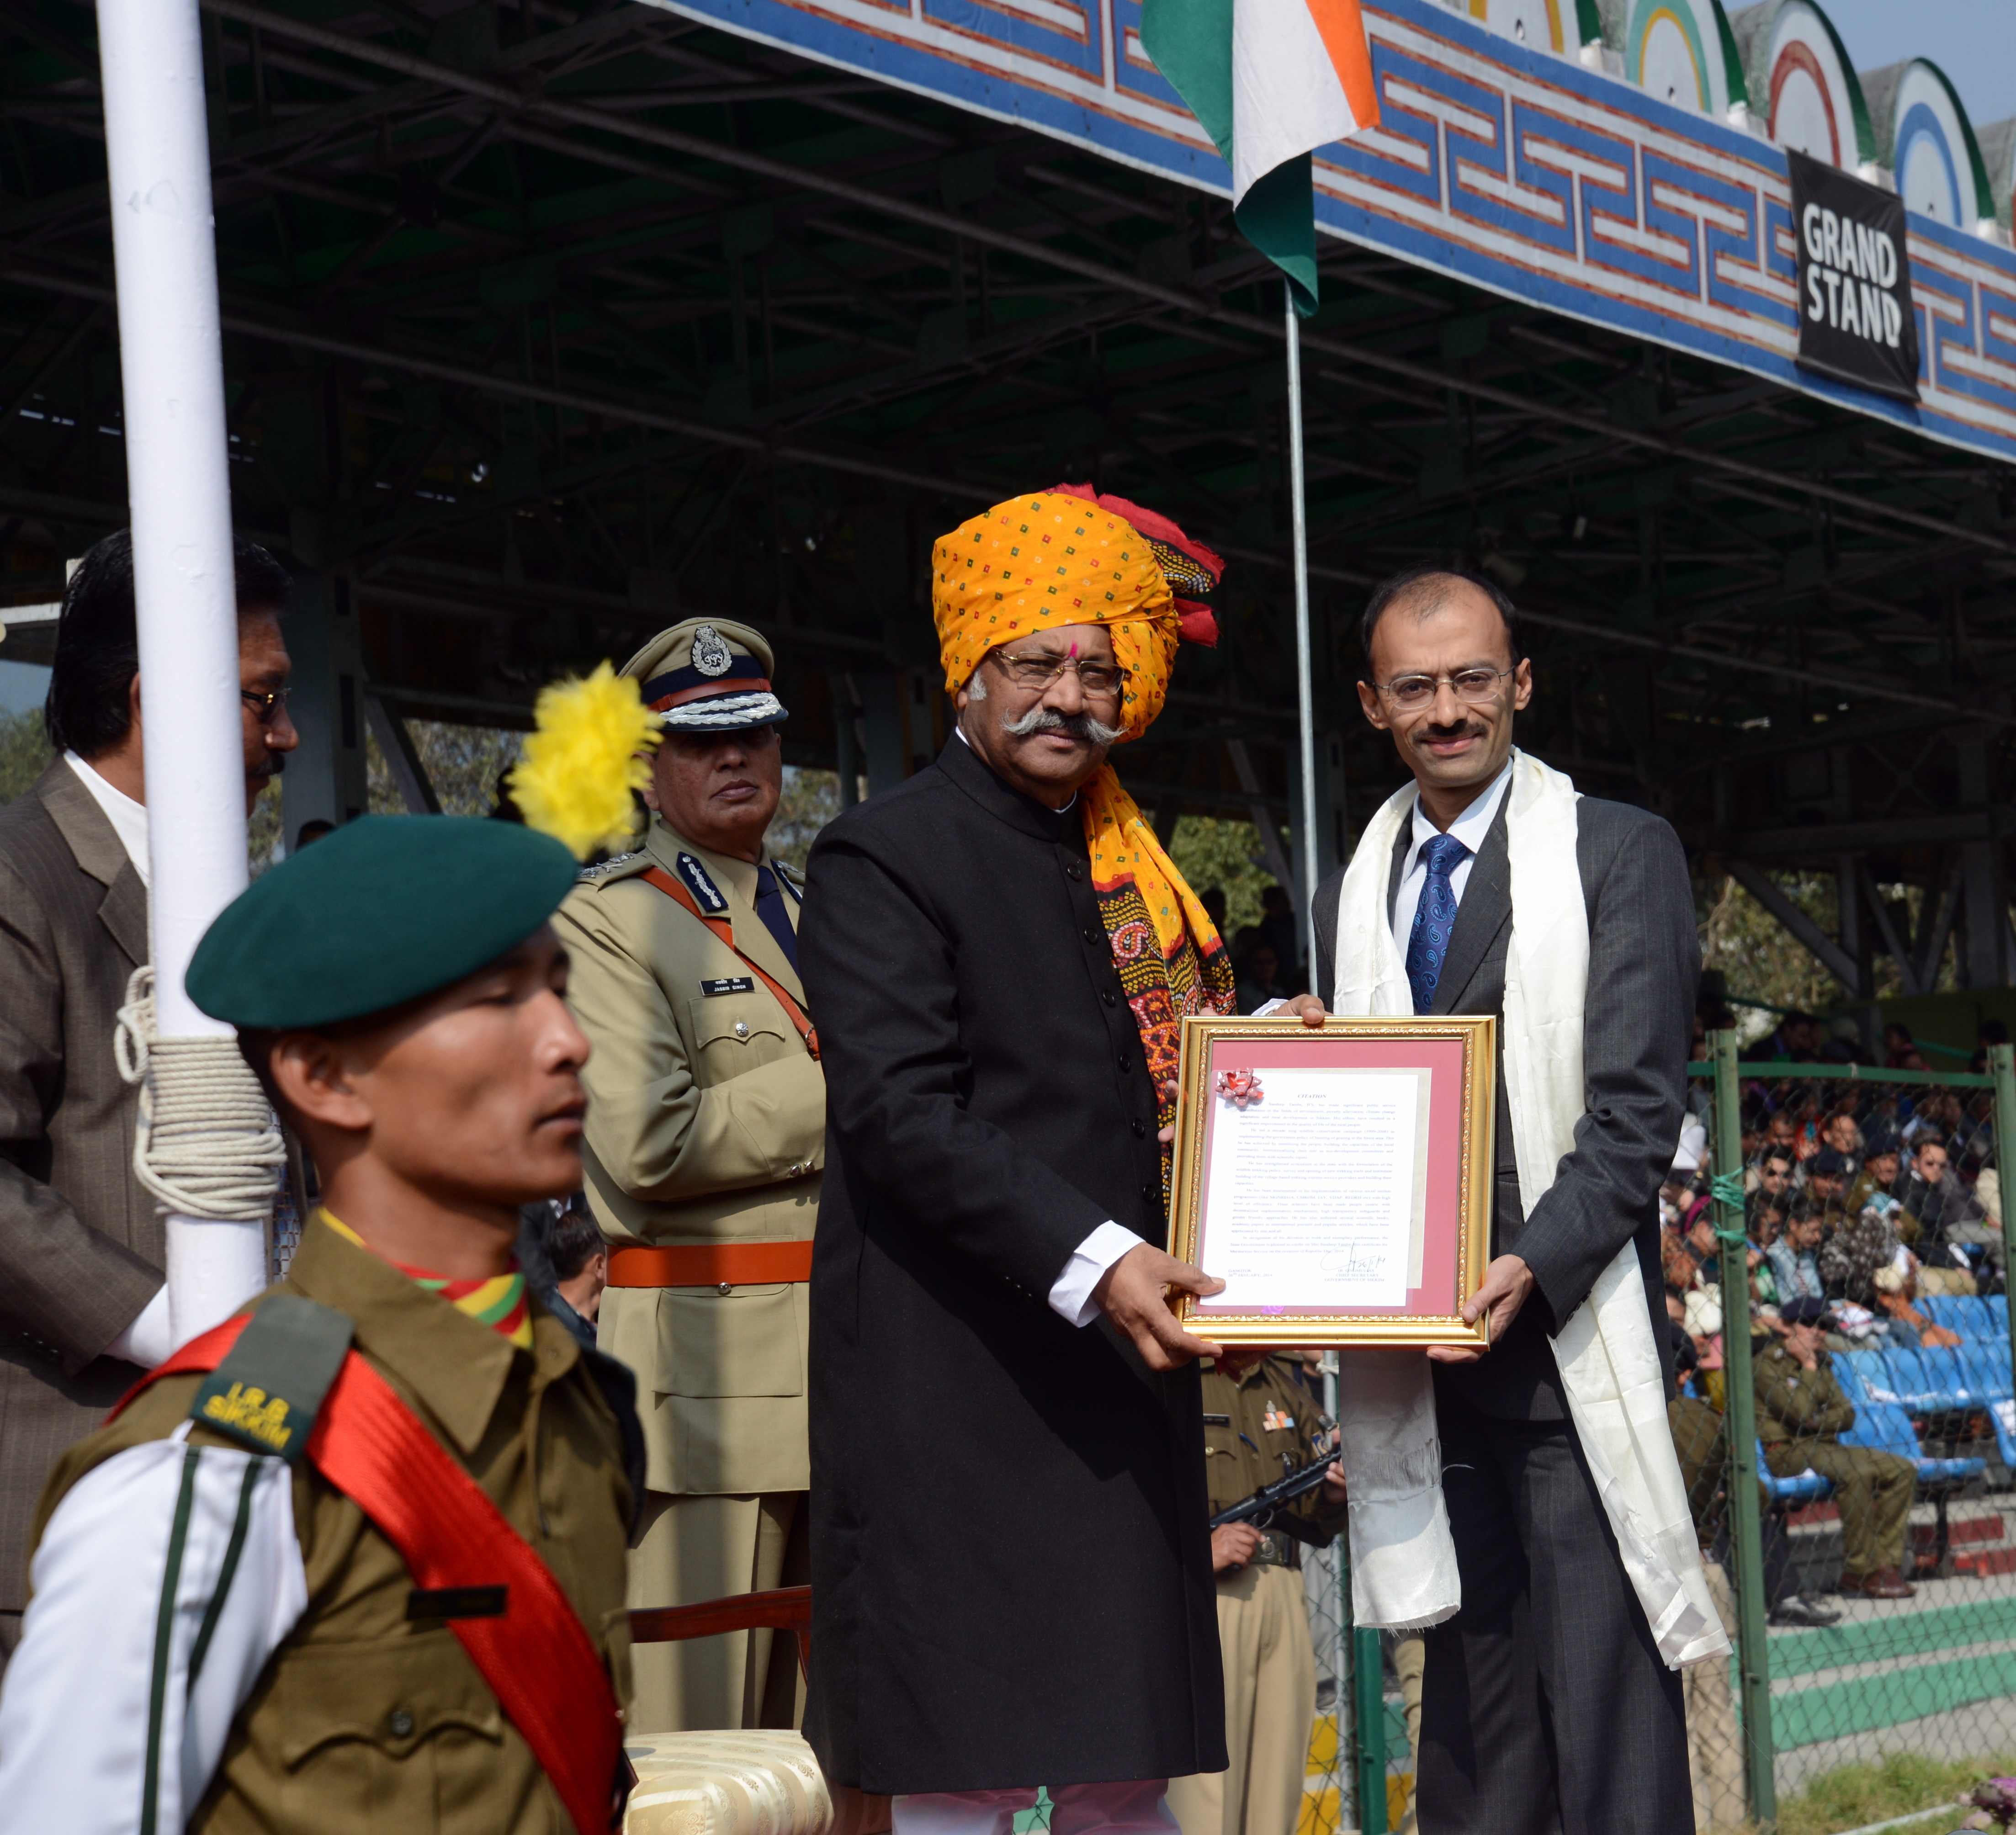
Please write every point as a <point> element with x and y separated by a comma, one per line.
<point>548,322</point>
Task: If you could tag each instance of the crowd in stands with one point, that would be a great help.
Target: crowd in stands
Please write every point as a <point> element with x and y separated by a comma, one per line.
<point>1863,1199</point>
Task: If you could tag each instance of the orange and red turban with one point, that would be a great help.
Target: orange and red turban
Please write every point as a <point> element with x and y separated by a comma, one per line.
<point>1068,555</point>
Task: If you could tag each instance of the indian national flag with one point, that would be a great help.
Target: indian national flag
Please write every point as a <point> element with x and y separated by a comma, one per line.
<point>1269,81</point>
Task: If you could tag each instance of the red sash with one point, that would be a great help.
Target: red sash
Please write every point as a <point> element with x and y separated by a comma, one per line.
<point>536,1657</point>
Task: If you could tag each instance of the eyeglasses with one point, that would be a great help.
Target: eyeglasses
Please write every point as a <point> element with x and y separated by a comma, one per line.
<point>1102,679</point>
<point>1475,687</point>
<point>265,705</point>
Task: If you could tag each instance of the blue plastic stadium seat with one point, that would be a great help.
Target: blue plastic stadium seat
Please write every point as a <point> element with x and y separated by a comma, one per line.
<point>1948,1380</point>
<point>1884,1427</point>
<point>1807,1488</point>
<point>1867,1375</point>
<point>1959,1312</point>
<point>1988,1365</point>
<point>1998,1315</point>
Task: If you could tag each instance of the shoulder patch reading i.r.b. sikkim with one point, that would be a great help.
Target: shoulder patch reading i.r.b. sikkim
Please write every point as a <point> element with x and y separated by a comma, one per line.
<point>266,1393</point>
<point>706,892</point>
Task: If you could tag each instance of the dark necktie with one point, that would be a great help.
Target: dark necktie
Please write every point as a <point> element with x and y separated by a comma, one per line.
<point>776,920</point>
<point>1434,918</point>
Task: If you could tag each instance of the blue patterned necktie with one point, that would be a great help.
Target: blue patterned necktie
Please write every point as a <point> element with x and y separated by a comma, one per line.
<point>1434,918</point>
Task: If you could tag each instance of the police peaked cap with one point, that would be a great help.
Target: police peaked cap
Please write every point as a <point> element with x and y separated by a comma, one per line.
<point>386,909</point>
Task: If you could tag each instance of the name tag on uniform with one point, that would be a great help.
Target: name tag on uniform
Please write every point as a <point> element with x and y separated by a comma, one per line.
<point>1217,1421</point>
<point>730,984</point>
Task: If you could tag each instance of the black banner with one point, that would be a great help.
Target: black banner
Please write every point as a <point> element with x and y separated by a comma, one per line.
<point>1856,322</point>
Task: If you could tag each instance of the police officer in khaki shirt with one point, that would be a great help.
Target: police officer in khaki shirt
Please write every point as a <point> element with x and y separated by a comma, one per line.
<point>706,1133</point>
<point>1258,1425</point>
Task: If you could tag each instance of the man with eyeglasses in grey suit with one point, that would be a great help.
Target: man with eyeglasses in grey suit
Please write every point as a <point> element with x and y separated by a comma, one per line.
<point>1549,1707</point>
<point>83,1308</point>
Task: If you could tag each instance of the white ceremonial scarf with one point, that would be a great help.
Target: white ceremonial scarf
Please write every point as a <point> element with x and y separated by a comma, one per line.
<point>1402,1558</point>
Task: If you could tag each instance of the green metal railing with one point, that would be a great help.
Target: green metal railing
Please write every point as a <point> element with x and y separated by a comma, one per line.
<point>1727,1077</point>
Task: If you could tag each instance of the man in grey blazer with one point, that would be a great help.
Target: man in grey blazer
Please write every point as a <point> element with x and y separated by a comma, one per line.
<point>82,1305</point>
<point>1547,1709</point>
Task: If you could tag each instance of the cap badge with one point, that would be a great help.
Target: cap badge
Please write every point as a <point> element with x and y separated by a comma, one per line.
<point>710,654</point>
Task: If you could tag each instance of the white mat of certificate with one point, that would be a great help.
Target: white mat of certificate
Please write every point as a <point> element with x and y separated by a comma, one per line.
<point>1316,1194</point>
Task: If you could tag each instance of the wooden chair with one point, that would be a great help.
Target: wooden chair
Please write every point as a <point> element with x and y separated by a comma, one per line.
<point>786,1609</point>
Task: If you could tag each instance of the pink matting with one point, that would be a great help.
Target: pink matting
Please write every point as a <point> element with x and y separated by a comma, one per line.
<point>1436,1295</point>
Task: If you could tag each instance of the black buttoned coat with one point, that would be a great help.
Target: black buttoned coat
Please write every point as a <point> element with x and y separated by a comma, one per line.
<point>1011,1570</point>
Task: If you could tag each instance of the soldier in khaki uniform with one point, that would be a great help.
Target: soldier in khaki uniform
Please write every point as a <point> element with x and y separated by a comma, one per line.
<point>1802,1414</point>
<point>706,1133</point>
<point>1259,1424</point>
<point>354,1560</point>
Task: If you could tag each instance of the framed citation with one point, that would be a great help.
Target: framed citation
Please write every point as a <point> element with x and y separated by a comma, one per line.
<point>1338,1181</point>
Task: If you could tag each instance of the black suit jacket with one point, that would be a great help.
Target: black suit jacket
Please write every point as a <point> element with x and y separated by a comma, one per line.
<point>1011,1564</point>
<point>1644,963</point>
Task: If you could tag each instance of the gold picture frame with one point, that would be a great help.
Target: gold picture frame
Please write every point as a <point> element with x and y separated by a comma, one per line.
<point>1452,1062</point>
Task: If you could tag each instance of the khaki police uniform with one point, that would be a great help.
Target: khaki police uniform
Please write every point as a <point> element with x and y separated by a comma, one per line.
<point>365,1721</point>
<point>1255,1430</point>
<point>706,1133</point>
<point>1801,1415</point>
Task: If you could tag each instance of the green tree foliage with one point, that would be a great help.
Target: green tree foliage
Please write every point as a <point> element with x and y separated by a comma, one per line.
<point>464,764</point>
<point>24,750</point>
<point>1209,851</point>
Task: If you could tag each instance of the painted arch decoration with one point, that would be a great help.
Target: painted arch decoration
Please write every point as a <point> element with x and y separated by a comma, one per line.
<point>1802,86</point>
<point>1545,25</point>
<point>1683,52</point>
<point>1924,136</point>
<point>1538,176</point>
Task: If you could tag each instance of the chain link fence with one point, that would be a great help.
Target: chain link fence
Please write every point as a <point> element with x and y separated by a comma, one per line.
<point>1846,1424</point>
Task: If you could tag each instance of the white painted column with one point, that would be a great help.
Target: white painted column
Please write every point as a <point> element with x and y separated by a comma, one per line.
<point>157,148</point>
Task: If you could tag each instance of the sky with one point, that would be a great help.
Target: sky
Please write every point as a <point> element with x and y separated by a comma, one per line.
<point>1974,41</point>
<point>22,686</point>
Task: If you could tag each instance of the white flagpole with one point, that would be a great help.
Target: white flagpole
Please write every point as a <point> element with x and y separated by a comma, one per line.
<point>1305,679</point>
<point>157,149</point>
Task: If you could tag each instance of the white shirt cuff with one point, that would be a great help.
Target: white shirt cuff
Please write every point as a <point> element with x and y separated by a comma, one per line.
<point>148,1340</point>
<point>1070,1296</point>
<point>1272,1006</point>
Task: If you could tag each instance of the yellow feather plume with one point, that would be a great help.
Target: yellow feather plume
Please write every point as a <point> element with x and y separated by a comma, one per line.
<point>581,765</point>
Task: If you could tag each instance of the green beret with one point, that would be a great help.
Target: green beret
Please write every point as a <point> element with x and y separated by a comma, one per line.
<point>387,908</point>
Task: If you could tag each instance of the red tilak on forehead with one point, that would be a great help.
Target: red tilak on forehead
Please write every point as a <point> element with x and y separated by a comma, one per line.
<point>1074,648</point>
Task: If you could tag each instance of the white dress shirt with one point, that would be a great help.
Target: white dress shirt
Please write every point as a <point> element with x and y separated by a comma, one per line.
<point>1470,828</point>
<point>129,818</point>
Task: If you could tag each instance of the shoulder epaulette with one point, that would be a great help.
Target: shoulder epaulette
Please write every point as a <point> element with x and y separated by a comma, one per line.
<point>267,1392</point>
<point>603,870</point>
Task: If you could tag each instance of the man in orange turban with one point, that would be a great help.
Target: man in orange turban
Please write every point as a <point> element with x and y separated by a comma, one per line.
<point>1011,1559</point>
<point>1098,578</point>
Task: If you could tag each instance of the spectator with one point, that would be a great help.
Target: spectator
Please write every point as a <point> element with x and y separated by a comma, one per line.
<point>1794,1260</point>
<point>1797,1038</point>
<point>1689,1253</point>
<point>1765,1221</point>
<point>1972,1239</point>
<point>580,1259</point>
<point>1212,899</point>
<point>1845,1043</point>
<point>1840,1132</point>
<point>1898,1045</point>
<point>1801,1415</point>
<point>1826,1192</point>
<point>81,1298</point>
<point>1878,1174</point>
<point>312,830</point>
<point>1864,1244</point>
<point>1259,971</point>
<point>1933,1201</point>
<point>1279,926</point>
<point>1774,1173</point>
<point>1992,1032</point>
<point>1896,1287</point>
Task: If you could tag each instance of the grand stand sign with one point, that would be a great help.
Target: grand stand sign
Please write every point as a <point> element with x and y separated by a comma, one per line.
<point>1855,321</point>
